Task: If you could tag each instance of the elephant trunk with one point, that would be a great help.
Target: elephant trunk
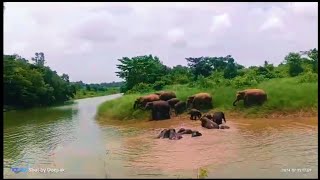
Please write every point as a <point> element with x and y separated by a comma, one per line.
<point>234,103</point>
<point>135,104</point>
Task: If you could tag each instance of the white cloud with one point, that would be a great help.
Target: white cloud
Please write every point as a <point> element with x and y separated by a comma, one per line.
<point>77,36</point>
<point>273,22</point>
<point>175,34</point>
<point>220,21</point>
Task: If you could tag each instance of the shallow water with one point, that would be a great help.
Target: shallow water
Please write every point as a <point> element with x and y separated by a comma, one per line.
<point>69,137</point>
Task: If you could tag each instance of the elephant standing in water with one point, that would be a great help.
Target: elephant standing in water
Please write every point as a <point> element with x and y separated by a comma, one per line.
<point>194,114</point>
<point>218,117</point>
<point>200,101</point>
<point>251,97</point>
<point>142,101</point>
<point>160,109</point>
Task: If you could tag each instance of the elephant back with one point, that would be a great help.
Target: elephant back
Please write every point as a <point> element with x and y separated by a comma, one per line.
<point>150,98</point>
<point>203,97</point>
<point>255,92</point>
<point>167,95</point>
<point>173,101</point>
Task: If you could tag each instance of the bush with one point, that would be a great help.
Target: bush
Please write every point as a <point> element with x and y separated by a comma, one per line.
<point>159,85</point>
<point>308,77</point>
<point>203,82</point>
<point>140,88</point>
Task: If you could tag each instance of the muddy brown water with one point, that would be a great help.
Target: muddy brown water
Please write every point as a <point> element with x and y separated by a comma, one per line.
<point>70,138</point>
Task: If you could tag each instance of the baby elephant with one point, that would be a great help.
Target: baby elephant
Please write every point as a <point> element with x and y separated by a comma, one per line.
<point>194,113</point>
<point>169,133</point>
<point>185,131</point>
<point>209,124</point>
<point>195,134</point>
<point>223,126</point>
<point>218,117</point>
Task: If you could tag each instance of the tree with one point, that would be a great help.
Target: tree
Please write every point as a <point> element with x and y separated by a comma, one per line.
<point>39,59</point>
<point>28,85</point>
<point>141,69</point>
<point>231,68</point>
<point>294,62</point>
<point>200,66</point>
<point>313,55</point>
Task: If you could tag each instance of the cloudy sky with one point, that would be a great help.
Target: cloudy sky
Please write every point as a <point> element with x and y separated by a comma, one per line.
<point>85,40</point>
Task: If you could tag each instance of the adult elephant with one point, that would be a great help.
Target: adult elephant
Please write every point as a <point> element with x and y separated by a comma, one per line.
<point>143,100</point>
<point>200,101</point>
<point>180,107</point>
<point>173,101</point>
<point>160,109</point>
<point>166,95</point>
<point>251,97</point>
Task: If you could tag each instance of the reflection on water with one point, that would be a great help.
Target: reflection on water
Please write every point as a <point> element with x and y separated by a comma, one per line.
<point>69,137</point>
<point>58,137</point>
<point>35,132</point>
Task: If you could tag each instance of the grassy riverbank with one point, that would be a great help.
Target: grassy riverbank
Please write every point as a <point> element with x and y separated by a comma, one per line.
<point>81,94</point>
<point>285,96</point>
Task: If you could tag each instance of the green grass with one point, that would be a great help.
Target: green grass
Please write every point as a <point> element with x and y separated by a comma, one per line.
<point>81,94</point>
<point>121,108</point>
<point>284,95</point>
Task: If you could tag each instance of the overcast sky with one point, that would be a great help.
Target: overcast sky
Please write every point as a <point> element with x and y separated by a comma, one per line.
<point>85,40</point>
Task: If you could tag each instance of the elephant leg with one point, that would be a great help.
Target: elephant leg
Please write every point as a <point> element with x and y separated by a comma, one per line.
<point>194,104</point>
<point>246,102</point>
<point>160,115</point>
<point>154,115</point>
<point>168,115</point>
<point>261,101</point>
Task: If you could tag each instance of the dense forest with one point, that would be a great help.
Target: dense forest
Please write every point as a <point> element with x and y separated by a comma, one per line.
<point>147,73</point>
<point>28,84</point>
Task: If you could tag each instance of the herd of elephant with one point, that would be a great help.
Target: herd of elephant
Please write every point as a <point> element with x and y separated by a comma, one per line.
<point>162,103</point>
<point>215,120</point>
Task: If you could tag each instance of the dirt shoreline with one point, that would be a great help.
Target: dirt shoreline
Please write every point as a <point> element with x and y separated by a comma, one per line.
<point>185,119</point>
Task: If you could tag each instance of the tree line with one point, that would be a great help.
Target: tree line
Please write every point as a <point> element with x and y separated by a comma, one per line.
<point>146,73</point>
<point>32,83</point>
<point>96,86</point>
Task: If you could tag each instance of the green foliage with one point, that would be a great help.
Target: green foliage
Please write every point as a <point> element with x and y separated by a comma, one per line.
<point>82,93</point>
<point>202,173</point>
<point>141,69</point>
<point>140,88</point>
<point>231,68</point>
<point>203,82</point>
<point>308,77</point>
<point>250,78</point>
<point>199,66</point>
<point>294,62</point>
<point>159,85</point>
<point>222,77</point>
<point>122,109</point>
<point>178,75</point>
<point>27,85</point>
<point>284,94</point>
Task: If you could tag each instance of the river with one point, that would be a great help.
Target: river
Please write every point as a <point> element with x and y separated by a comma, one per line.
<point>69,139</point>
